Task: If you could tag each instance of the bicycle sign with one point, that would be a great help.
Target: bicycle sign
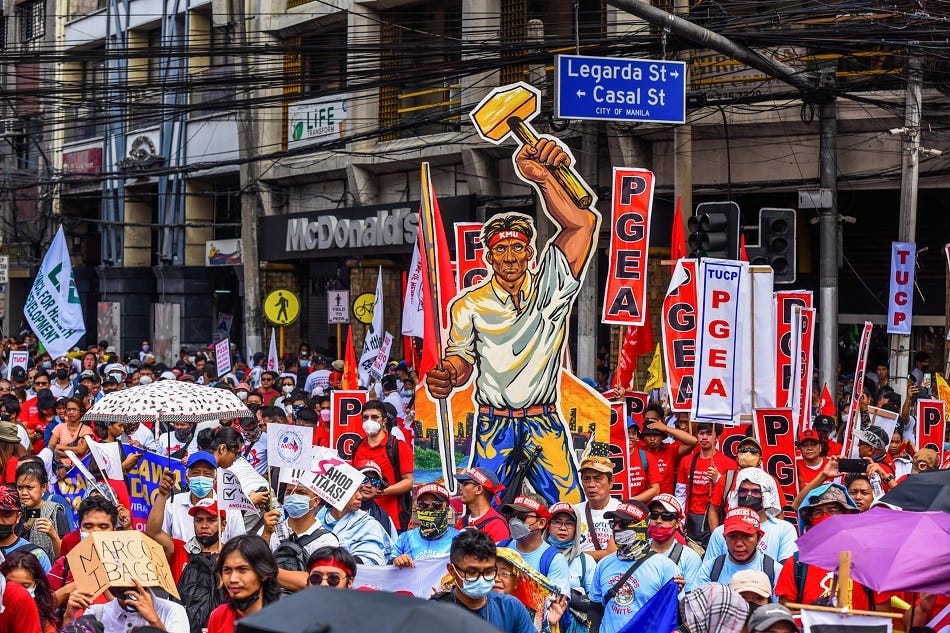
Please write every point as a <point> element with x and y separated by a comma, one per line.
<point>363,307</point>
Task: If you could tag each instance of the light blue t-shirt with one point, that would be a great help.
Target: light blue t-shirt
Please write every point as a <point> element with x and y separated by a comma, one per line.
<point>730,567</point>
<point>582,572</point>
<point>642,585</point>
<point>689,565</point>
<point>559,571</point>
<point>420,548</point>
<point>778,541</point>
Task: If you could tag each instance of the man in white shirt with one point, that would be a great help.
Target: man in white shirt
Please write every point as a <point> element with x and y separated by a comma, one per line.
<point>132,607</point>
<point>595,531</point>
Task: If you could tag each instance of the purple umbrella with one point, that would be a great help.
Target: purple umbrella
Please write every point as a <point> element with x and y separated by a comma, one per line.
<point>890,550</point>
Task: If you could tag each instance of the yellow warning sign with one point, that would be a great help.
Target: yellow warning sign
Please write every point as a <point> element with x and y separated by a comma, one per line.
<point>282,307</point>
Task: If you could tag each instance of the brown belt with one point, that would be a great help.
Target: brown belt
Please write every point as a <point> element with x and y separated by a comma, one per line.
<point>537,409</point>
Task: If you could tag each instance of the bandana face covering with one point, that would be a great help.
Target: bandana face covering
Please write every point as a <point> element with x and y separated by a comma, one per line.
<point>633,542</point>
<point>559,544</point>
<point>433,523</point>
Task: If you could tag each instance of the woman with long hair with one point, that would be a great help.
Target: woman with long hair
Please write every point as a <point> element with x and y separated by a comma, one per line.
<point>24,568</point>
<point>247,573</point>
<point>71,434</point>
<point>44,522</point>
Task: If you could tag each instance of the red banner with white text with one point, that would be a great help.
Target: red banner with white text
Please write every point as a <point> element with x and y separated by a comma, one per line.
<point>785,300</point>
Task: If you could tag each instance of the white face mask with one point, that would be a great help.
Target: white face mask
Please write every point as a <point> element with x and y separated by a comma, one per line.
<point>242,395</point>
<point>145,380</point>
<point>371,427</point>
<point>287,388</point>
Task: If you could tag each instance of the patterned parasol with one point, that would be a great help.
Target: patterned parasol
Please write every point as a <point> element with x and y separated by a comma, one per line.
<point>169,401</point>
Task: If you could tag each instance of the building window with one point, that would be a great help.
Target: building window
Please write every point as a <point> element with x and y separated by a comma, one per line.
<point>323,61</point>
<point>3,31</point>
<point>155,54</point>
<point>32,17</point>
<point>222,39</point>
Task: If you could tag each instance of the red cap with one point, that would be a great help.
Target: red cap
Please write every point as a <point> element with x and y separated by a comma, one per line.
<point>562,506</point>
<point>809,434</point>
<point>432,489</point>
<point>206,505</point>
<point>742,520</point>
<point>527,504</point>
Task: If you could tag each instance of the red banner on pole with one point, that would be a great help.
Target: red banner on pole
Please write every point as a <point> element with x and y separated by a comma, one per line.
<point>678,321</point>
<point>785,300</point>
<point>346,420</point>
<point>803,345</point>
<point>774,429</point>
<point>469,266</point>
<point>618,450</point>
<point>932,426</point>
<point>857,387</point>
<point>729,438</point>
<point>626,291</point>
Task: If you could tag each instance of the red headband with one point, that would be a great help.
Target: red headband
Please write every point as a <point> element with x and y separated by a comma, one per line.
<point>326,562</point>
<point>508,234</point>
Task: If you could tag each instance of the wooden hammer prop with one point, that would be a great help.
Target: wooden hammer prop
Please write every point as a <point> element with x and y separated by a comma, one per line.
<point>507,110</point>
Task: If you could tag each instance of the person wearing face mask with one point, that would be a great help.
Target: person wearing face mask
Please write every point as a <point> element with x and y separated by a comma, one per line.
<point>394,457</point>
<point>666,537</point>
<point>287,386</point>
<point>241,390</point>
<point>433,536</point>
<point>562,534</point>
<point>62,385</point>
<point>807,584</point>
<point>192,563</point>
<point>23,569</point>
<point>172,517</point>
<point>627,578</point>
<point>748,455</point>
<point>473,570</point>
<point>528,517</point>
<point>756,490</point>
<point>255,440</point>
<point>181,441</point>
<point>10,517</point>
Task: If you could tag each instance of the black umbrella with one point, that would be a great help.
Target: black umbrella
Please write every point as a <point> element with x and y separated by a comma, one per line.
<point>924,491</point>
<point>325,610</point>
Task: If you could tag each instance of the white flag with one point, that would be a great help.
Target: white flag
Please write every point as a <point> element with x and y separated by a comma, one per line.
<point>272,360</point>
<point>52,308</point>
<point>108,457</point>
<point>374,335</point>
<point>413,321</point>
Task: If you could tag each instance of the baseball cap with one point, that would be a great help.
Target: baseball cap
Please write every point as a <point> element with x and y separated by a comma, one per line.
<point>750,440</point>
<point>371,467</point>
<point>18,374</point>
<point>9,500</point>
<point>629,511</point>
<point>767,615</point>
<point>201,456</point>
<point>45,399</point>
<point>562,507</point>
<point>652,431</point>
<point>206,505</point>
<point>824,423</point>
<point>809,435</point>
<point>484,477</point>
<point>89,375</point>
<point>110,380</point>
<point>527,503</point>
<point>116,367</point>
<point>186,378</point>
<point>669,503</point>
<point>873,436</point>
<point>632,424</point>
<point>752,580</point>
<point>168,375</point>
<point>63,360</point>
<point>742,520</point>
<point>432,489</point>
<point>598,463</point>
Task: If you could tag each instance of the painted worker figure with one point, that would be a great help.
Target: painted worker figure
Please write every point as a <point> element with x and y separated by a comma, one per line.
<point>509,332</point>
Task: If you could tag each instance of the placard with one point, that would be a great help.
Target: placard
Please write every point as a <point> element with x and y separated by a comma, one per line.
<point>117,559</point>
<point>932,426</point>
<point>222,356</point>
<point>17,358</point>
<point>678,323</point>
<point>785,301</point>
<point>378,368</point>
<point>231,494</point>
<point>900,306</point>
<point>346,420</point>
<point>289,446</point>
<point>774,428</point>
<point>625,295</point>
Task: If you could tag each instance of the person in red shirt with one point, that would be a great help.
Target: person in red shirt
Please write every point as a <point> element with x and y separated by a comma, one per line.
<point>666,454</point>
<point>266,390</point>
<point>381,447</point>
<point>247,573</point>
<point>477,486</point>
<point>810,462</point>
<point>20,614</point>
<point>643,473</point>
<point>695,478</point>
<point>825,425</point>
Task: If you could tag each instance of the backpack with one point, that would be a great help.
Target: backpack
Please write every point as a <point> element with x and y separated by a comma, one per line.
<point>198,587</point>
<point>676,553</point>
<point>292,555</point>
<point>405,499</point>
<point>544,566</point>
<point>768,566</point>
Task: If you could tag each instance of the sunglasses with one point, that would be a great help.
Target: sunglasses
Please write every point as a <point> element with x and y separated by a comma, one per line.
<point>749,492</point>
<point>435,505</point>
<point>750,449</point>
<point>666,516</point>
<point>375,482</point>
<point>333,579</point>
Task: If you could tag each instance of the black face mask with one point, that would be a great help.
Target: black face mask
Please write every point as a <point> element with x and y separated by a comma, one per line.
<point>5,531</point>
<point>244,604</point>
<point>184,435</point>
<point>207,541</point>
<point>748,501</point>
<point>253,406</point>
<point>62,374</point>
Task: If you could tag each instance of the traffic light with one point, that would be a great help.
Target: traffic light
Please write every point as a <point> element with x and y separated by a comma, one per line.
<point>714,230</point>
<point>776,245</point>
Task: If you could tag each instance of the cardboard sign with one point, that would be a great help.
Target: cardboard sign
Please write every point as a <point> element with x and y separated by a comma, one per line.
<point>931,426</point>
<point>331,478</point>
<point>346,420</point>
<point>378,368</point>
<point>17,358</point>
<point>785,301</point>
<point>857,388</point>
<point>678,322</point>
<point>288,445</point>
<point>723,295</point>
<point>470,268</point>
<point>230,493</point>
<point>774,429</point>
<point>900,305</point>
<point>114,559</point>
<point>761,337</point>
<point>803,345</point>
<point>618,452</point>
<point>222,356</point>
<point>625,295</point>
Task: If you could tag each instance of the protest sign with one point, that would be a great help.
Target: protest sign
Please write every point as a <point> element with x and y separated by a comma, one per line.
<point>625,295</point>
<point>678,323</point>
<point>761,337</point>
<point>143,481</point>
<point>378,368</point>
<point>17,358</point>
<point>117,559</point>
<point>52,307</point>
<point>814,621</point>
<point>231,494</point>
<point>857,388</point>
<point>331,478</point>
<point>803,345</point>
<point>108,456</point>
<point>222,356</point>
<point>288,445</point>
<point>774,428</point>
<point>469,255</point>
<point>785,301</point>
<point>346,420</point>
<point>931,426</point>
<point>722,295</point>
<point>417,580</point>
<point>900,305</point>
<point>617,451</point>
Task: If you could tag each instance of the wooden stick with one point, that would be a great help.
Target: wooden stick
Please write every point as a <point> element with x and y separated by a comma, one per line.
<point>809,607</point>
<point>844,580</point>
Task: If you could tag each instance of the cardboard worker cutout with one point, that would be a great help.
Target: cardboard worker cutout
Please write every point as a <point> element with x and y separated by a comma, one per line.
<point>507,333</point>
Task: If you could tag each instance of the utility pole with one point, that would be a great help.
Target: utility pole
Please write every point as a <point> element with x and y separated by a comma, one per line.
<point>683,147</point>
<point>588,312</point>
<point>252,205</point>
<point>828,255</point>
<point>907,227</point>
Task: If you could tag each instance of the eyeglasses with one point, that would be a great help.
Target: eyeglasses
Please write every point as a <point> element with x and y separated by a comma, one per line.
<point>821,512</point>
<point>41,383</point>
<point>435,505</point>
<point>666,516</point>
<point>507,573</point>
<point>524,516</point>
<point>263,379</point>
<point>472,575</point>
<point>563,523</point>
<point>333,579</point>
<point>750,449</point>
<point>749,492</point>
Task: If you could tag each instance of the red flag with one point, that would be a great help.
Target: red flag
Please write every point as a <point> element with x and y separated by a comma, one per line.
<point>826,406</point>
<point>743,255</point>
<point>350,379</point>
<point>636,342</point>
<point>678,237</point>
<point>438,284</point>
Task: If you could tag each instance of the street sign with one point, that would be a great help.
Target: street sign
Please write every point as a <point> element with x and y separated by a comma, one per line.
<point>363,307</point>
<point>281,307</point>
<point>338,306</point>
<point>620,89</point>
